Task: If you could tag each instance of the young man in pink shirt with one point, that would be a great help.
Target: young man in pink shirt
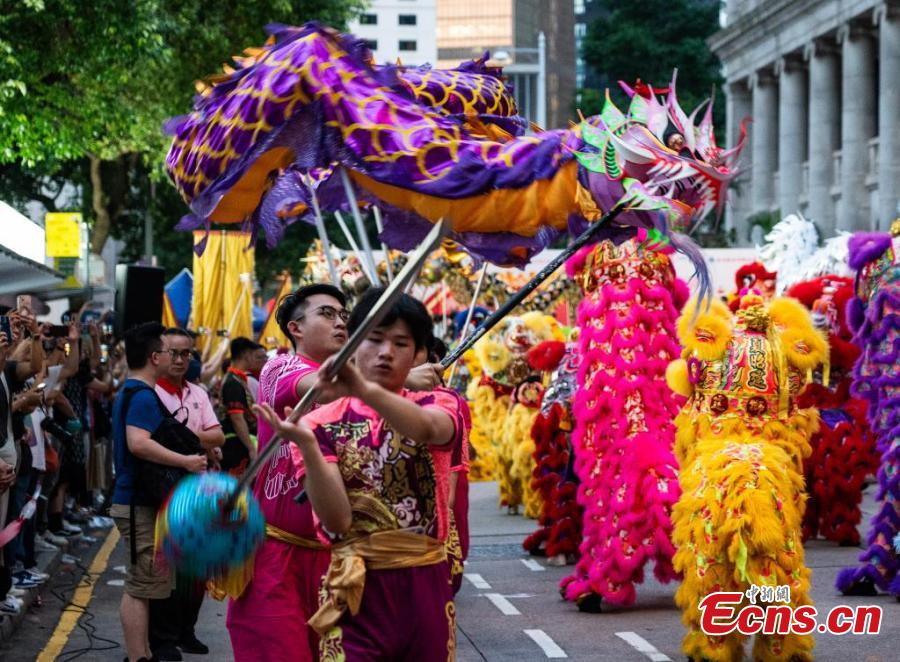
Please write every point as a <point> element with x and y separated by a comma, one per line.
<point>376,464</point>
<point>268,621</point>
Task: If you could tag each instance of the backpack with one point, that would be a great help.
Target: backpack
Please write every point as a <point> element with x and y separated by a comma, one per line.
<point>152,481</point>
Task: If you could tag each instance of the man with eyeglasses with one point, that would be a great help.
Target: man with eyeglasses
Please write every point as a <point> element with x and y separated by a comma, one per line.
<point>172,620</point>
<point>268,621</point>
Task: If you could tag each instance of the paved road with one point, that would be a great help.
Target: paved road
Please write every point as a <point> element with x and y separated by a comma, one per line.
<point>509,609</point>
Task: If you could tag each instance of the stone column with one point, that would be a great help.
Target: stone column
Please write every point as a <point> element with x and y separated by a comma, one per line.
<point>857,125</point>
<point>888,16</point>
<point>737,107</point>
<point>764,132</point>
<point>824,131</point>
<point>791,132</point>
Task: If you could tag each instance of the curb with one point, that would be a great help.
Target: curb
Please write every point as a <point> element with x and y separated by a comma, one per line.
<point>49,563</point>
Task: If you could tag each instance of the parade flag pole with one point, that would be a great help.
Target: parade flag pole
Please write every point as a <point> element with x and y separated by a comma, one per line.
<point>360,228</point>
<point>381,308</point>
<point>387,255</point>
<point>533,284</point>
<point>323,234</point>
<point>465,329</point>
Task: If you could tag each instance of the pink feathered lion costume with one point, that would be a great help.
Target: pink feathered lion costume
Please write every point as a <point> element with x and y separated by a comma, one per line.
<point>624,413</point>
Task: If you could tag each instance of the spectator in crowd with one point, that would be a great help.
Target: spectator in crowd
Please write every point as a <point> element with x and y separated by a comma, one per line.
<point>173,619</point>
<point>20,358</point>
<point>137,414</point>
<point>238,420</point>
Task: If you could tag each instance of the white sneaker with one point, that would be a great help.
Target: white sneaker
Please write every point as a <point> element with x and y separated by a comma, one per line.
<point>53,539</point>
<point>42,545</point>
<point>11,605</point>
<point>16,592</point>
<point>68,559</point>
<point>37,575</point>
<point>71,528</point>
<point>98,522</point>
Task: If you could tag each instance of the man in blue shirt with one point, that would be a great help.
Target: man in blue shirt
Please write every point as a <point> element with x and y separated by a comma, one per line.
<point>148,358</point>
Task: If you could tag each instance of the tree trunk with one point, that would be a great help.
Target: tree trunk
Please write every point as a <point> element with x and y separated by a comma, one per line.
<point>109,195</point>
<point>102,217</point>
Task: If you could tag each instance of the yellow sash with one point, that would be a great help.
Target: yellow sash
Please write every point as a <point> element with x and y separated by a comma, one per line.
<point>283,536</point>
<point>382,550</point>
<point>235,581</point>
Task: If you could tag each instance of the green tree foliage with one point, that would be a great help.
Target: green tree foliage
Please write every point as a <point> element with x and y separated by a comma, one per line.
<point>647,40</point>
<point>86,86</point>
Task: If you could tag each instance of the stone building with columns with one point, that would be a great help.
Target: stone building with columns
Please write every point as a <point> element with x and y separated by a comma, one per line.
<point>821,81</point>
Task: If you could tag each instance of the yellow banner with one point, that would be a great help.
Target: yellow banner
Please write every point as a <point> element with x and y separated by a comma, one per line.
<point>271,336</point>
<point>223,285</point>
<point>63,234</point>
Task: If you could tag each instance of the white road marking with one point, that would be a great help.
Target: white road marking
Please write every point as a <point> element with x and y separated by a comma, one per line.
<point>477,580</point>
<point>641,645</point>
<point>533,565</point>
<point>119,568</point>
<point>116,582</point>
<point>550,647</point>
<point>505,606</point>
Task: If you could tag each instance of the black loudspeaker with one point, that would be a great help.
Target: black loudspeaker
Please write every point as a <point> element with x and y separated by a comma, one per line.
<point>139,296</point>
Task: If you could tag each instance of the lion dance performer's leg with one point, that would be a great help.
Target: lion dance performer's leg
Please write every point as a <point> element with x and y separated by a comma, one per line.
<point>876,318</point>
<point>624,421</point>
<point>740,444</point>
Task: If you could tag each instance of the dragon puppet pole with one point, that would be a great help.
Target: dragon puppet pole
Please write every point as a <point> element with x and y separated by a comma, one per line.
<point>360,228</point>
<point>387,255</point>
<point>323,234</point>
<point>363,262</point>
<point>381,308</point>
<point>532,285</point>
<point>469,315</point>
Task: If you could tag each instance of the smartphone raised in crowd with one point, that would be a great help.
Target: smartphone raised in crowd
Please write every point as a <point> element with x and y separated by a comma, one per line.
<point>6,327</point>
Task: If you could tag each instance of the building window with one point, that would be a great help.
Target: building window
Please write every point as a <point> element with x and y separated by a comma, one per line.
<point>368,19</point>
<point>371,44</point>
<point>579,6</point>
<point>407,44</point>
<point>406,19</point>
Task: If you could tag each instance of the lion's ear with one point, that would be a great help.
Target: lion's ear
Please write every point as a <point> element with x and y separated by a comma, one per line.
<point>706,330</point>
<point>804,345</point>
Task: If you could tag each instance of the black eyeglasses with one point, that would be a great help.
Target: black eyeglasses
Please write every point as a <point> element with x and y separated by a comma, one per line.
<point>330,313</point>
<point>179,353</point>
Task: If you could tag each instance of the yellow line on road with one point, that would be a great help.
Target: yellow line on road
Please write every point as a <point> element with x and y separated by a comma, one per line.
<point>82,597</point>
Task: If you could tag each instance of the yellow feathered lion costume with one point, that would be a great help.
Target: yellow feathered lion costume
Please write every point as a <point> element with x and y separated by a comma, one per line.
<point>505,402</point>
<point>740,444</point>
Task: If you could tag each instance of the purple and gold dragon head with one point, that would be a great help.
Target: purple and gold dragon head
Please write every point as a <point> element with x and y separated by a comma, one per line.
<point>426,144</point>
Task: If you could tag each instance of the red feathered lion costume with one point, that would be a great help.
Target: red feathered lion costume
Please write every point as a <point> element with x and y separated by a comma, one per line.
<point>844,448</point>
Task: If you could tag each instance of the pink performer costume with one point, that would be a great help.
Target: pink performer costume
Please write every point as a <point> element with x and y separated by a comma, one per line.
<point>268,621</point>
<point>387,594</point>
<point>624,413</point>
